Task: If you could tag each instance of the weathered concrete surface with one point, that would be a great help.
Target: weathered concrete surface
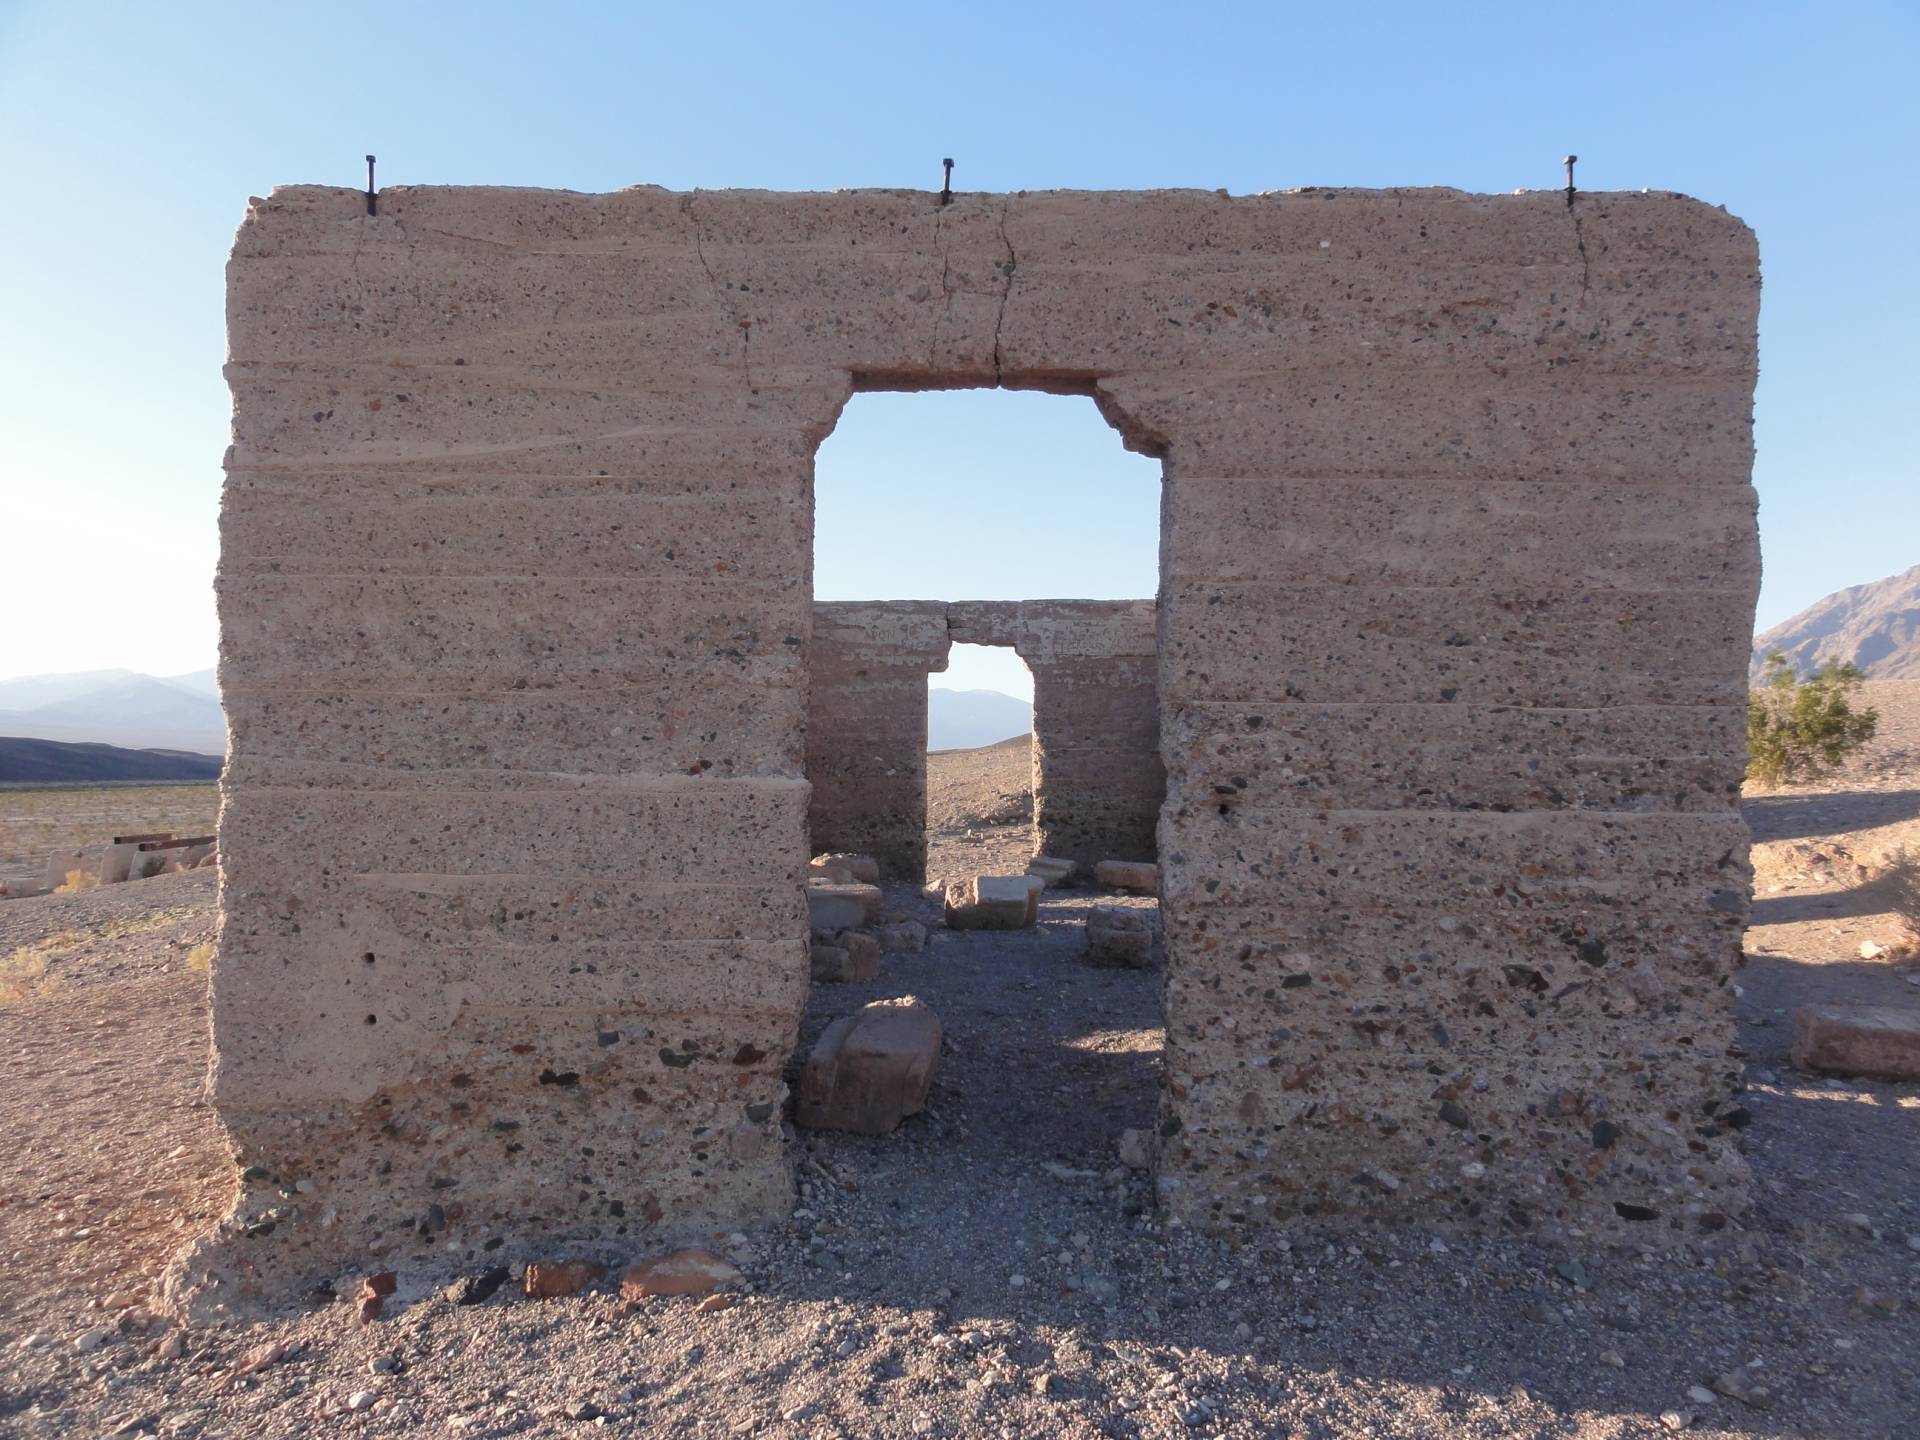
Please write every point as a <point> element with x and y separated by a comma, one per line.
<point>1458,570</point>
<point>867,729</point>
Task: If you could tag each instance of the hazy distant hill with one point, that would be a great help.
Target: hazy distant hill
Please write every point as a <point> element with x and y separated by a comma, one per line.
<point>1876,626</point>
<point>47,761</point>
<point>963,719</point>
<point>117,707</point>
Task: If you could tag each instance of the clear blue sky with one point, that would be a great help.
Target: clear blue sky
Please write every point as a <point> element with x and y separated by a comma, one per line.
<point>135,134</point>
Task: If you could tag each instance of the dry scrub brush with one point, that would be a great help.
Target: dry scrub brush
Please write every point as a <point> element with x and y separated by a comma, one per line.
<point>1899,886</point>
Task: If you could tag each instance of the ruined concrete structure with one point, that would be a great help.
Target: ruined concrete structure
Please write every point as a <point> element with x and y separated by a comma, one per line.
<point>1097,776</point>
<point>1457,583</point>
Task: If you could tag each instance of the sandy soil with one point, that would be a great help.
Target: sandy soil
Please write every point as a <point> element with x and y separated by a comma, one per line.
<point>990,1269</point>
<point>980,810</point>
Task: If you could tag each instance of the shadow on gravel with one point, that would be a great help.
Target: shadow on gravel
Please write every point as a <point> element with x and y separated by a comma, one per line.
<point>999,1213</point>
<point>1820,905</point>
<point>1796,817</point>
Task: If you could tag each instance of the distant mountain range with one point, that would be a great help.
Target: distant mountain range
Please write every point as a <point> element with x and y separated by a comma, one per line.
<point>117,707</point>
<point>1876,626</point>
<point>966,719</point>
<point>44,762</point>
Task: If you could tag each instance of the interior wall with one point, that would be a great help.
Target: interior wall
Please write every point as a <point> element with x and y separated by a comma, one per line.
<point>867,729</point>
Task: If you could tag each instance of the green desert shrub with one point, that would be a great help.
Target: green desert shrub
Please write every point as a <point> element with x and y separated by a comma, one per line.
<point>1797,729</point>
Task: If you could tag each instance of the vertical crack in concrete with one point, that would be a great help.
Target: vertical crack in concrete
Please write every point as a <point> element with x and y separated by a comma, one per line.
<point>1013,263</point>
<point>1580,243</point>
<point>713,283</point>
<point>946,287</point>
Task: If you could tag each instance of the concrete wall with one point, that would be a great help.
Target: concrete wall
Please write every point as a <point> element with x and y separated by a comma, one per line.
<point>1097,777</point>
<point>1458,573</point>
<point>867,729</point>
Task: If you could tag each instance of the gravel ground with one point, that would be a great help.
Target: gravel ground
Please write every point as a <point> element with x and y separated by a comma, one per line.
<point>991,1269</point>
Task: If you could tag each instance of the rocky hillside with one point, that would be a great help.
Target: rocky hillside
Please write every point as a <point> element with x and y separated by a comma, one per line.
<point>967,719</point>
<point>1876,626</point>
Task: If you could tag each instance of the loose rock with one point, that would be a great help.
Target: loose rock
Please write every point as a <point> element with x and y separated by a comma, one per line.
<point>691,1271</point>
<point>870,1070</point>
<point>550,1280</point>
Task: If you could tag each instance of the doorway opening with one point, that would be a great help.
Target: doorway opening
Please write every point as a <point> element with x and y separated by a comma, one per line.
<point>982,688</point>
<point>980,763</point>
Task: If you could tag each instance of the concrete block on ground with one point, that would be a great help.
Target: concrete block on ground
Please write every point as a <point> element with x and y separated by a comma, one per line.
<point>850,955</point>
<point>904,937</point>
<point>871,1069</point>
<point>92,864</point>
<point>829,963</point>
<point>993,902</point>
<point>1053,870</point>
<point>1136,877</point>
<point>832,907</point>
<point>1120,936</point>
<point>863,953</point>
<point>847,868</point>
<point>1881,1042</point>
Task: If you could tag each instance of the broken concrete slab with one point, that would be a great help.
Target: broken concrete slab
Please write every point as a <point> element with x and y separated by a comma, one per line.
<point>871,1069</point>
<point>850,955</point>
<point>90,865</point>
<point>847,868</point>
<point>902,937</point>
<point>829,963</point>
<point>1136,877</point>
<point>1053,870</point>
<point>993,902</point>
<point>1878,1042</point>
<point>1120,936</point>
<point>833,907</point>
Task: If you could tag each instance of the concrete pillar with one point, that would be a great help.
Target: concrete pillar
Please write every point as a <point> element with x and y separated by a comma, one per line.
<point>867,729</point>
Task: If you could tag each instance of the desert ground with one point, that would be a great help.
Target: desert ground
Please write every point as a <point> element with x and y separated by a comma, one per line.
<point>992,1268</point>
<point>35,821</point>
